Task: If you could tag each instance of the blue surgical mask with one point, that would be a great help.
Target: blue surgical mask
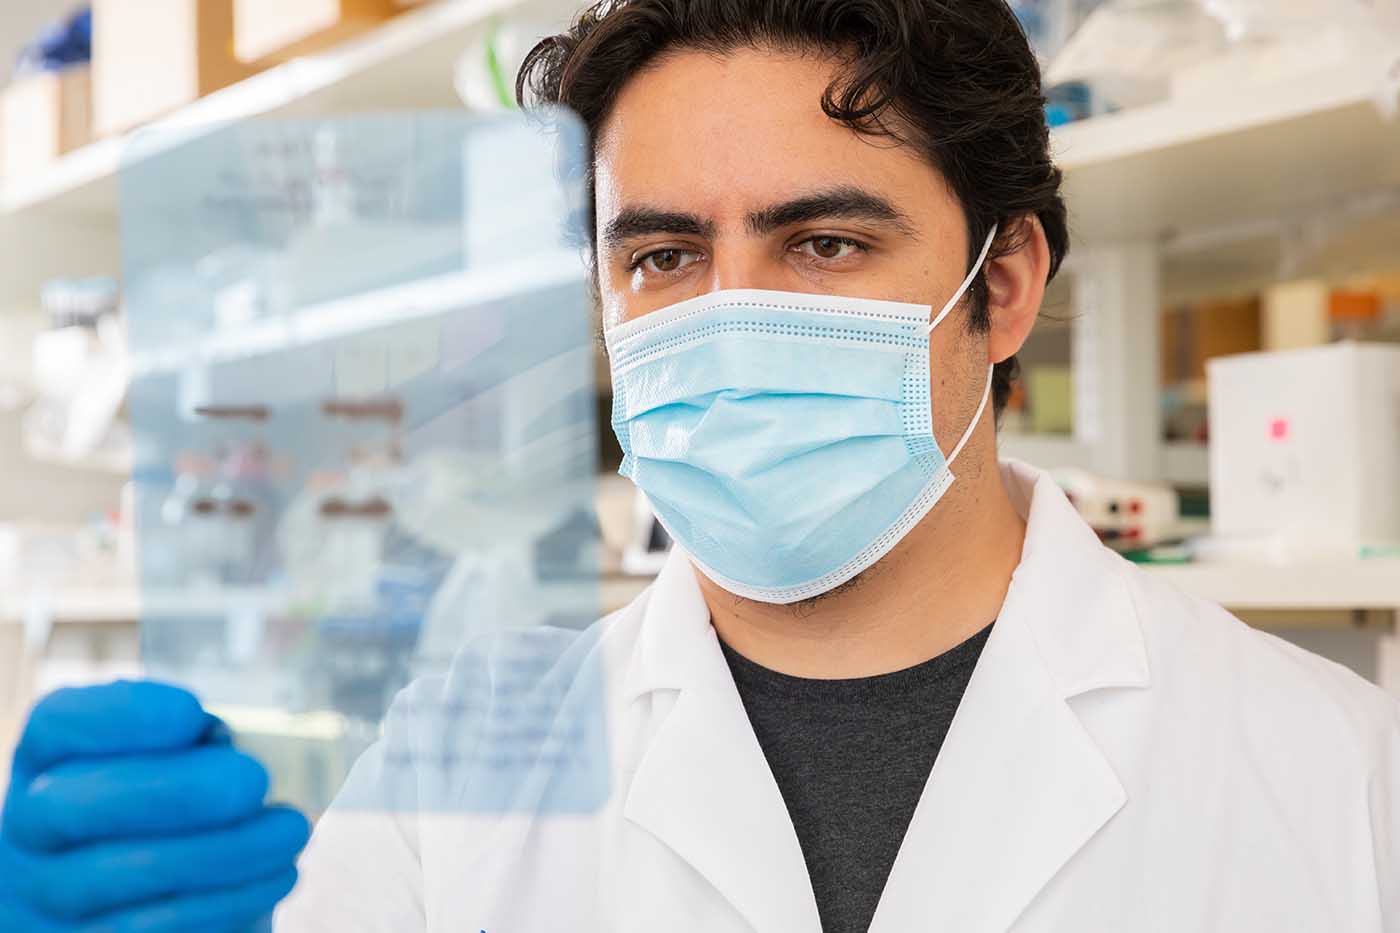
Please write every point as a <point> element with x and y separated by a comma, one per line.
<point>784,440</point>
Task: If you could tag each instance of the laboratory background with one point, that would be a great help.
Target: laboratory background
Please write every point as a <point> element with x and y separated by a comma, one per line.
<point>1215,380</point>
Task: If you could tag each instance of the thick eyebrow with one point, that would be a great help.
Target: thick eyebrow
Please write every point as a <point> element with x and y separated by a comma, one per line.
<point>646,221</point>
<point>845,202</point>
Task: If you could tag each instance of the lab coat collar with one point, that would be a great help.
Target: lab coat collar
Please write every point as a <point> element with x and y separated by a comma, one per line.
<point>1086,628</point>
<point>703,786</point>
<point>1020,785</point>
<point>1075,603</point>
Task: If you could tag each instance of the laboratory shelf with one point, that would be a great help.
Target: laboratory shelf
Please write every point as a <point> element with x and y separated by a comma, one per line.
<point>123,605</point>
<point>345,317</point>
<point>1247,151</point>
<point>408,63</point>
<point>1302,585</point>
<point>99,605</point>
<point>112,462</point>
<point>1244,154</point>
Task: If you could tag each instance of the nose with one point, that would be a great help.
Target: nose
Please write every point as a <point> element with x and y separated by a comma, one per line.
<point>746,264</point>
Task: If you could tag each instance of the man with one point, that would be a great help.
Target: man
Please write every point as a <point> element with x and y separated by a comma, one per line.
<point>871,690</point>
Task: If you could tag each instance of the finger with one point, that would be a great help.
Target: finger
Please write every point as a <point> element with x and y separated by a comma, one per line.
<point>217,911</point>
<point>16,916</point>
<point>87,801</point>
<point>118,718</point>
<point>93,880</point>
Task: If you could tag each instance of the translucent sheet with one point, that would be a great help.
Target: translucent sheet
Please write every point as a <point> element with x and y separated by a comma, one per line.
<point>364,411</point>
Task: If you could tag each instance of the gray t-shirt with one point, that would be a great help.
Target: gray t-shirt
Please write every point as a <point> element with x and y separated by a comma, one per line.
<point>851,758</point>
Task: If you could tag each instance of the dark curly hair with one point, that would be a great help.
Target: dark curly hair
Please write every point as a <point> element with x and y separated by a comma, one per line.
<point>956,79</point>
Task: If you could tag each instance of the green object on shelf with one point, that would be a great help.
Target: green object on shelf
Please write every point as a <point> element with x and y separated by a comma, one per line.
<point>497,72</point>
<point>1381,552</point>
<point>1051,391</point>
<point>1195,503</point>
<point>1162,554</point>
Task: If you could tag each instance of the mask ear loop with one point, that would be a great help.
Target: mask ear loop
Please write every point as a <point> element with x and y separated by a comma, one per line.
<point>966,283</point>
<point>981,410</point>
<point>947,309</point>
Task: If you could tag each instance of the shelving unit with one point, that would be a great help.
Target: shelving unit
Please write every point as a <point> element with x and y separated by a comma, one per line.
<point>349,315</point>
<point>1200,196</point>
<point>67,217</point>
<point>1316,585</point>
<point>1180,198</point>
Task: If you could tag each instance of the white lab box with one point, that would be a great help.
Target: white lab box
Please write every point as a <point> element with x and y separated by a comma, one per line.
<point>1305,448</point>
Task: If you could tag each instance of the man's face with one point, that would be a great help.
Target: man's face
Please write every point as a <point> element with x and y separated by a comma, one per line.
<point>719,172</point>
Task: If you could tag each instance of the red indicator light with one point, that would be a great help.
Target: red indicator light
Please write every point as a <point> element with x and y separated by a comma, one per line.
<point>1135,507</point>
<point>1279,429</point>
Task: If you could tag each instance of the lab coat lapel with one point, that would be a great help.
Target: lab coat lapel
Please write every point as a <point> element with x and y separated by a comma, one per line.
<point>703,786</point>
<point>1020,785</point>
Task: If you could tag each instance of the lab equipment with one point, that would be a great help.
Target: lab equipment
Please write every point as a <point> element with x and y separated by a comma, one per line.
<point>129,808</point>
<point>785,440</point>
<point>375,452</point>
<point>1049,23</point>
<point>1305,451</point>
<point>59,45</point>
<point>484,73</point>
<point>79,372</point>
<point>1126,51</point>
<point>1125,515</point>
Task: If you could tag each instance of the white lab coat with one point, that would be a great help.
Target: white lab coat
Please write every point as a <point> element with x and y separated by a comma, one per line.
<point>1126,758</point>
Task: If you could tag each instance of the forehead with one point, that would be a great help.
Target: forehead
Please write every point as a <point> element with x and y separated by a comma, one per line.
<point>722,133</point>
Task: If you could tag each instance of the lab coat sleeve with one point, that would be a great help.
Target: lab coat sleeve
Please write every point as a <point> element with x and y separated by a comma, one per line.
<point>363,868</point>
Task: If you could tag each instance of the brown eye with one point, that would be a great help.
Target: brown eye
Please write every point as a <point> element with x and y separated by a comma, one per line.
<point>666,260</point>
<point>830,248</point>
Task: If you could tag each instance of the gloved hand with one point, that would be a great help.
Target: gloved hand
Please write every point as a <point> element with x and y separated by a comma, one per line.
<point>130,810</point>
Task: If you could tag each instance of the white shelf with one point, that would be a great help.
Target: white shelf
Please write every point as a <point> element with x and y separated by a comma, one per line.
<point>359,313</point>
<point>1243,154</point>
<point>93,605</point>
<point>113,462</point>
<point>406,63</point>
<point>122,605</point>
<point>1314,585</point>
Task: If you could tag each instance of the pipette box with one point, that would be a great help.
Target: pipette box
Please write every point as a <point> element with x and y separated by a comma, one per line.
<point>151,57</point>
<point>1305,448</point>
<point>42,117</point>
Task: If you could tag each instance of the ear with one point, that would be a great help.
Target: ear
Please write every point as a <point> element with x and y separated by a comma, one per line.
<point>1015,288</point>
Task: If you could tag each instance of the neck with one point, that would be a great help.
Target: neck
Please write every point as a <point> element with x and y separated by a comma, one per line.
<point>941,585</point>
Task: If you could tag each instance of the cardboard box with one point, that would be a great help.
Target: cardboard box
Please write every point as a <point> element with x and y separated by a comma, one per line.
<point>42,117</point>
<point>154,56</point>
<point>269,31</point>
<point>1198,333</point>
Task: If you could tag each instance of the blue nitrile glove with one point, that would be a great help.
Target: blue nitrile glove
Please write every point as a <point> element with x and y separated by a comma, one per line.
<point>130,810</point>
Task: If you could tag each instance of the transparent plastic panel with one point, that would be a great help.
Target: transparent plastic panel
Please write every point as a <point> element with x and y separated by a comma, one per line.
<point>364,407</point>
